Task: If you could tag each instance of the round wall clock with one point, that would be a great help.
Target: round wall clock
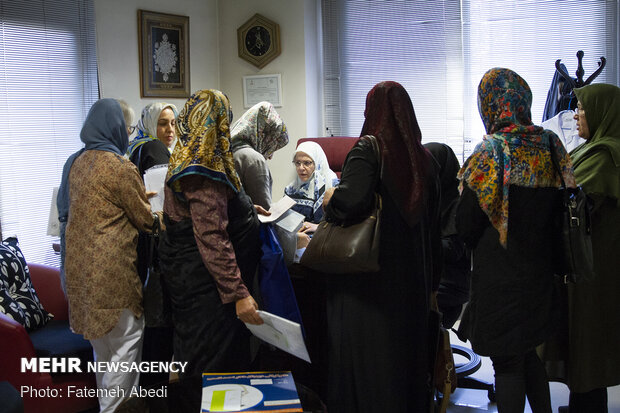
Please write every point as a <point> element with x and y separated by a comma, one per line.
<point>258,40</point>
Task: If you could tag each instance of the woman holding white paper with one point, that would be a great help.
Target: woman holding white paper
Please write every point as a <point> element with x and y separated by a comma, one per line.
<point>211,248</point>
<point>156,134</point>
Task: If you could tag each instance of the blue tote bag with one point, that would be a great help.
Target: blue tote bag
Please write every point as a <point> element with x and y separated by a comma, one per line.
<point>274,280</point>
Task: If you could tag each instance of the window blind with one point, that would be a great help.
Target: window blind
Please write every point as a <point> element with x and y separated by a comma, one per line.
<point>528,37</point>
<point>438,50</point>
<point>48,82</point>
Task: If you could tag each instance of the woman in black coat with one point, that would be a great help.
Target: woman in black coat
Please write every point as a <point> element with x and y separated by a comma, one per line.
<point>378,323</point>
<point>156,132</point>
<point>453,290</point>
<point>505,215</point>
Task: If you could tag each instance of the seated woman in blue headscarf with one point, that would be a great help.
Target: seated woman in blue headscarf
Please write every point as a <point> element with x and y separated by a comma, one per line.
<point>313,178</point>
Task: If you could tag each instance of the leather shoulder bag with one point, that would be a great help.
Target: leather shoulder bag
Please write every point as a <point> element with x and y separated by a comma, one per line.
<point>574,258</point>
<point>338,249</point>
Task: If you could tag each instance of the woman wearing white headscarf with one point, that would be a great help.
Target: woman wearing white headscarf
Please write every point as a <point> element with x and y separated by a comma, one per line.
<point>156,135</point>
<point>255,137</point>
<point>313,178</point>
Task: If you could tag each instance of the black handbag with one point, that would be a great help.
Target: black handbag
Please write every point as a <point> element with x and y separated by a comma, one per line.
<point>155,297</point>
<point>339,249</point>
<point>575,262</point>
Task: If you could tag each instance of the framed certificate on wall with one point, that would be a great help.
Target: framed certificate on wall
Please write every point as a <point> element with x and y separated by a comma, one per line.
<point>262,88</point>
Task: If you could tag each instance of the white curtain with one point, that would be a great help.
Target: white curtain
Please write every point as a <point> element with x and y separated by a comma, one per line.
<point>48,82</point>
<point>439,49</point>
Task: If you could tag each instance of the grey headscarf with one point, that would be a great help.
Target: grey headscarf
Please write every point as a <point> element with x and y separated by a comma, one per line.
<point>104,129</point>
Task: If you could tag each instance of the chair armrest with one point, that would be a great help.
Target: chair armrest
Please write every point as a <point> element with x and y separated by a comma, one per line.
<point>15,345</point>
<point>46,282</point>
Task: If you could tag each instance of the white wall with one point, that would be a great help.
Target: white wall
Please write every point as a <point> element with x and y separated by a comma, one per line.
<point>117,46</point>
<point>291,15</point>
<point>214,60</point>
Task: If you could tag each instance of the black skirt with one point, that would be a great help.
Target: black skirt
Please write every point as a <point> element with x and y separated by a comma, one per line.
<point>207,333</point>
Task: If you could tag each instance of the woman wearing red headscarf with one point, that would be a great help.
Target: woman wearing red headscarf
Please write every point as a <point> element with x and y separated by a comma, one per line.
<point>378,355</point>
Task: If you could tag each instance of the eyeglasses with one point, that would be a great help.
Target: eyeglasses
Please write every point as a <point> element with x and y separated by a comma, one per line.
<point>131,129</point>
<point>307,164</point>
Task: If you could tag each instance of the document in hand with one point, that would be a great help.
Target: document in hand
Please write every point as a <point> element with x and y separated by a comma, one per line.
<point>53,225</point>
<point>154,180</point>
<point>277,209</point>
<point>282,333</point>
<point>259,391</point>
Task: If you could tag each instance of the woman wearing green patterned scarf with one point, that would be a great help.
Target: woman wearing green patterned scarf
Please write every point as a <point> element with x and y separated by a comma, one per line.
<point>594,360</point>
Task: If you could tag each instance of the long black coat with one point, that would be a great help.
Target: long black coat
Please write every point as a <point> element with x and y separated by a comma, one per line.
<point>512,307</point>
<point>378,323</point>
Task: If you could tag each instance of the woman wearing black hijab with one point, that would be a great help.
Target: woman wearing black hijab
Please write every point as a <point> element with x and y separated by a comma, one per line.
<point>378,323</point>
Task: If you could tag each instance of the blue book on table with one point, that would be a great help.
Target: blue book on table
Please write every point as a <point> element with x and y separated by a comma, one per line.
<point>250,392</point>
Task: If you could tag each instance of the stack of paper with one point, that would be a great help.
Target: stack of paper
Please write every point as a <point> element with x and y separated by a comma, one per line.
<point>154,181</point>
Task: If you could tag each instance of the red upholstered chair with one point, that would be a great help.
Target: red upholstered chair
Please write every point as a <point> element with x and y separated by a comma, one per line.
<point>336,149</point>
<point>53,340</point>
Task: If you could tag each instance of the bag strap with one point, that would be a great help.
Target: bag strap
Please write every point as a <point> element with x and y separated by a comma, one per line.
<point>377,150</point>
<point>555,163</point>
<point>156,228</point>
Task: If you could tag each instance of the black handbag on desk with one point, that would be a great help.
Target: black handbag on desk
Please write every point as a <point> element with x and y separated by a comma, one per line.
<point>156,300</point>
<point>338,249</point>
<point>575,262</point>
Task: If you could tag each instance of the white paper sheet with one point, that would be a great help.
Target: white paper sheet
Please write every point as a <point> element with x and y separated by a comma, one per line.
<point>154,180</point>
<point>278,209</point>
<point>282,333</point>
<point>53,226</point>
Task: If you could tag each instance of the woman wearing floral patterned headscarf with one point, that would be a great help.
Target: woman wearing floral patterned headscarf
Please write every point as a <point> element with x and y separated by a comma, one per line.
<point>210,249</point>
<point>255,137</point>
<point>509,187</point>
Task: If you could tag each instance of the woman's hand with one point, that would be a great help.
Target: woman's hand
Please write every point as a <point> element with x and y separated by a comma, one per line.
<point>162,224</point>
<point>261,211</point>
<point>328,195</point>
<point>308,228</point>
<point>246,310</point>
<point>302,240</point>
